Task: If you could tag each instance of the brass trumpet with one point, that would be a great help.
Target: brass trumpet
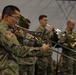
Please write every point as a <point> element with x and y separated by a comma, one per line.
<point>58,31</point>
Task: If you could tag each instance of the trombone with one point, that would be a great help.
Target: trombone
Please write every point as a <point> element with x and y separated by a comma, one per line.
<point>36,34</point>
<point>56,44</point>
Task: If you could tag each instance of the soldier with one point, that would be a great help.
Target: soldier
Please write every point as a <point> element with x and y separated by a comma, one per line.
<point>22,32</point>
<point>27,65</point>
<point>69,40</point>
<point>44,64</point>
<point>10,48</point>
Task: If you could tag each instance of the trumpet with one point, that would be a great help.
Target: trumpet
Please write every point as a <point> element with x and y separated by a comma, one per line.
<point>58,31</point>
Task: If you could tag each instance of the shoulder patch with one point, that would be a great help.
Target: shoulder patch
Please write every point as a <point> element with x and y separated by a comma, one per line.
<point>9,35</point>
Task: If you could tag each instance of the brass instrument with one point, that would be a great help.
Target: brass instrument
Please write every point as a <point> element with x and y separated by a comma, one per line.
<point>58,31</point>
<point>23,22</point>
<point>73,44</point>
<point>72,41</point>
<point>60,64</point>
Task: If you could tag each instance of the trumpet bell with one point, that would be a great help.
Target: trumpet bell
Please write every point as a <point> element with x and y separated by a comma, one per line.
<point>23,22</point>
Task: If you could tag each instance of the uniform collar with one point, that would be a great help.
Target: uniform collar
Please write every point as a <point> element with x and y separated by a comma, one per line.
<point>4,25</point>
<point>69,31</point>
<point>42,28</point>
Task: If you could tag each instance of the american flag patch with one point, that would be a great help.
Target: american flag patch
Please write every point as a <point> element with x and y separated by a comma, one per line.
<point>9,35</point>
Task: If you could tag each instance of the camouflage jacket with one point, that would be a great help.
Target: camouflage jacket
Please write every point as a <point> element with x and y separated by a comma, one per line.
<point>46,35</point>
<point>10,48</point>
<point>28,60</point>
<point>68,39</point>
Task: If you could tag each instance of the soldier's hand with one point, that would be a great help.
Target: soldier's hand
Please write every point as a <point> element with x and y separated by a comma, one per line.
<point>30,36</point>
<point>45,47</point>
<point>51,28</point>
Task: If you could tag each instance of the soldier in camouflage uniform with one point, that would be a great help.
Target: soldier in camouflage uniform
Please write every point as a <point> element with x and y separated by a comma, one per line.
<point>27,65</point>
<point>44,64</point>
<point>10,48</point>
<point>69,39</point>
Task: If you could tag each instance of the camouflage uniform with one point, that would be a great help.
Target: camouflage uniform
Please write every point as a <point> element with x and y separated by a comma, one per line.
<point>44,64</point>
<point>27,64</point>
<point>10,49</point>
<point>69,66</point>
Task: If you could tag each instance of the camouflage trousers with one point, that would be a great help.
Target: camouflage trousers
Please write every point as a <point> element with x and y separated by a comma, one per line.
<point>69,66</point>
<point>11,69</point>
<point>74,66</point>
<point>27,69</point>
<point>43,66</point>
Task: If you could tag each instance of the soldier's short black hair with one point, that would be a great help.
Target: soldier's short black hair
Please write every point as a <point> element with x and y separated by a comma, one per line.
<point>42,16</point>
<point>10,9</point>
